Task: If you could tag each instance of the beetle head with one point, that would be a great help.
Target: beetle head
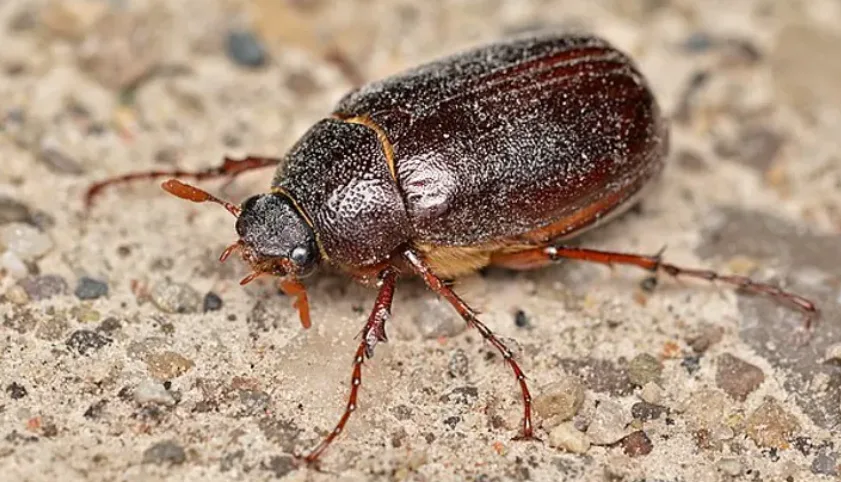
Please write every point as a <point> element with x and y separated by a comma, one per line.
<point>275,238</point>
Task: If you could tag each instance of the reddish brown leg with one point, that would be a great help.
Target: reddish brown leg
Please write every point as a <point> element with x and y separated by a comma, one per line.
<point>437,285</point>
<point>370,335</point>
<point>229,168</point>
<point>541,256</point>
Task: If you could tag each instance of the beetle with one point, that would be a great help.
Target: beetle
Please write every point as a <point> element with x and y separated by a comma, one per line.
<point>494,156</point>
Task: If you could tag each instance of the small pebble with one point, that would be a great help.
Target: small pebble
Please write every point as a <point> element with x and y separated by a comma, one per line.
<point>651,393</point>
<point>172,297</point>
<point>706,336</point>
<point>13,211</point>
<point>565,436</point>
<point>692,363</point>
<point>435,319</point>
<point>42,287</point>
<point>637,444</point>
<point>53,328</point>
<point>57,161</point>
<point>254,402</point>
<point>212,302</point>
<point>825,464</point>
<point>459,364</point>
<point>150,391</point>
<point>608,424</point>
<point>771,425</point>
<point>168,365</point>
<point>84,341</point>
<point>168,452</point>
<point>729,466</point>
<point>833,353</point>
<point>281,465</point>
<point>109,325</point>
<point>27,242</point>
<point>521,319</point>
<point>646,411</point>
<point>17,295</point>
<point>644,368</point>
<point>559,401</point>
<point>707,408</point>
<point>16,391</point>
<point>12,264</point>
<point>244,48</point>
<point>90,289</point>
<point>737,377</point>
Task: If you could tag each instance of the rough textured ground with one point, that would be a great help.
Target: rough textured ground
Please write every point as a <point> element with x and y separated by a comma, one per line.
<point>152,380</point>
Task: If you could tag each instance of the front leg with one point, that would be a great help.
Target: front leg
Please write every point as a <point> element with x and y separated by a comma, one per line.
<point>374,328</point>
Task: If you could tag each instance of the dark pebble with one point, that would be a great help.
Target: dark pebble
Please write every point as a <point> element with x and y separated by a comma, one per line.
<point>83,341</point>
<point>692,363</point>
<point>58,161</point>
<point>698,42</point>
<point>737,377</point>
<point>16,390</point>
<point>825,464</point>
<point>244,48</point>
<point>520,319</point>
<point>95,411</point>
<point>109,325</point>
<point>452,421</point>
<point>649,284</point>
<point>637,444</point>
<point>168,452</point>
<point>90,289</point>
<point>463,395</point>
<point>645,411</point>
<point>254,402</point>
<point>12,211</point>
<point>212,302</point>
<point>280,465</point>
<point>42,287</point>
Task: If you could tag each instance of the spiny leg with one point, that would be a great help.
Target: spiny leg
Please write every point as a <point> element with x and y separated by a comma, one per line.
<point>375,325</point>
<point>230,168</point>
<point>437,285</point>
<point>541,256</point>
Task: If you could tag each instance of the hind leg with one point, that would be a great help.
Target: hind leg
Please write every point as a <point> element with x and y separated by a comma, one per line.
<point>541,256</point>
<point>230,168</point>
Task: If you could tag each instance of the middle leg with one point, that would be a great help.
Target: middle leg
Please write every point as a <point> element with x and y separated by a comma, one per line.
<point>438,285</point>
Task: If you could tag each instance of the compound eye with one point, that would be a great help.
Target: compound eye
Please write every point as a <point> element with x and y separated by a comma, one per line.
<point>300,255</point>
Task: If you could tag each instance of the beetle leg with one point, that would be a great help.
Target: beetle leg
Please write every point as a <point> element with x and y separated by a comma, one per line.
<point>438,285</point>
<point>230,168</point>
<point>376,321</point>
<point>294,288</point>
<point>537,257</point>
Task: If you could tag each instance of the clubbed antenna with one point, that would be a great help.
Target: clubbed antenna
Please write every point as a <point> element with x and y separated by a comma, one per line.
<point>192,193</point>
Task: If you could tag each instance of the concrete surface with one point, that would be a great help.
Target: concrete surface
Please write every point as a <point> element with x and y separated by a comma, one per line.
<point>133,380</point>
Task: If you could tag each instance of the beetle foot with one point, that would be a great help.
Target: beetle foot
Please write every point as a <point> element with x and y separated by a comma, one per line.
<point>527,438</point>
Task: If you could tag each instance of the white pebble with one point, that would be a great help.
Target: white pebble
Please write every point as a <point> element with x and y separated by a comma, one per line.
<point>13,265</point>
<point>729,466</point>
<point>608,425</point>
<point>26,241</point>
<point>566,437</point>
<point>153,392</point>
<point>651,393</point>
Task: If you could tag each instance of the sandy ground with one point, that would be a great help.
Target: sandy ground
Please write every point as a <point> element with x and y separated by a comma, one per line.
<point>153,380</point>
